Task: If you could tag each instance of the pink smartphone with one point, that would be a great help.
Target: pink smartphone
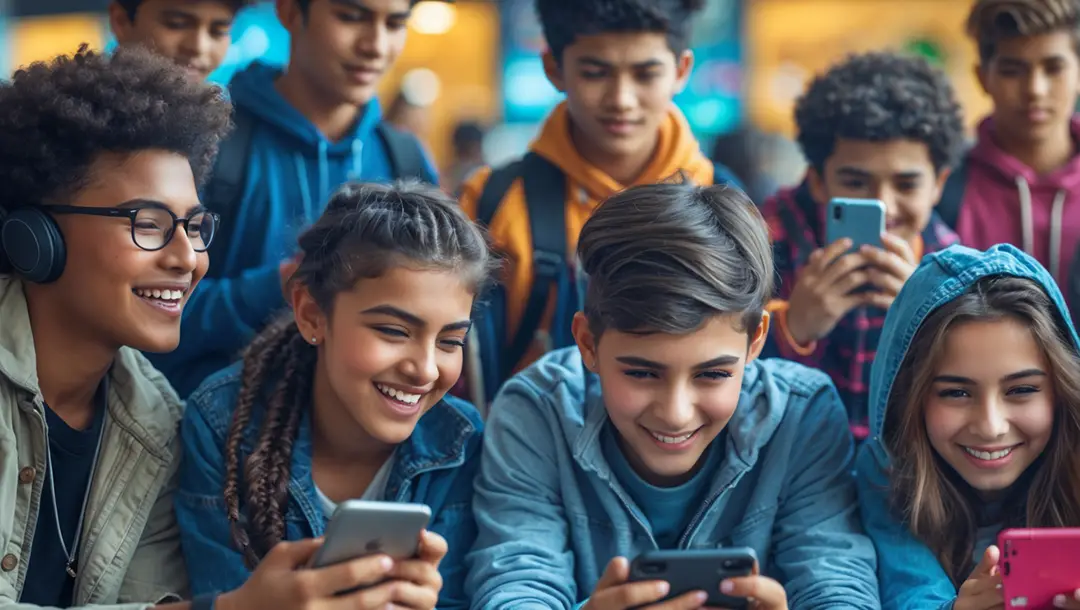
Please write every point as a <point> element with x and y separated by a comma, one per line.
<point>1037,565</point>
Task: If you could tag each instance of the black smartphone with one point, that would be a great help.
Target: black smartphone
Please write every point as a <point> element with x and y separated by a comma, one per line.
<point>689,570</point>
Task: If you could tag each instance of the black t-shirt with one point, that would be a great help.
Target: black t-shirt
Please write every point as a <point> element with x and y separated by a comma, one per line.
<point>47,580</point>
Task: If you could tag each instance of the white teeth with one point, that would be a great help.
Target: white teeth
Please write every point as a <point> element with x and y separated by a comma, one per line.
<point>409,399</point>
<point>671,440</point>
<point>988,455</point>
<point>157,293</point>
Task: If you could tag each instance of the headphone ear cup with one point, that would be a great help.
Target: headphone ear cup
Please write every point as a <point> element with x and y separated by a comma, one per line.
<point>33,245</point>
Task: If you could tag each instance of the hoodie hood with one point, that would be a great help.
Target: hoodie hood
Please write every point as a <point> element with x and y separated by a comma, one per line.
<point>940,278</point>
<point>677,149</point>
<point>1044,200</point>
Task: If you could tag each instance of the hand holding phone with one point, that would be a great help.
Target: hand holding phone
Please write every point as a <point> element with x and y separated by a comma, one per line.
<point>1040,568</point>
<point>982,590</point>
<point>825,291</point>
<point>278,581</point>
<point>616,592</point>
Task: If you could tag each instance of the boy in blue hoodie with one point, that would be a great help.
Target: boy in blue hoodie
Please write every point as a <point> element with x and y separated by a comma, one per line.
<point>300,133</point>
<point>662,430</point>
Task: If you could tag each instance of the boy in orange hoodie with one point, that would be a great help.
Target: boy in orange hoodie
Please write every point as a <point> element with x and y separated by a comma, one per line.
<point>619,63</point>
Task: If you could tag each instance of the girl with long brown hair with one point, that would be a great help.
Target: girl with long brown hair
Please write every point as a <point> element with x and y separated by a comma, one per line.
<point>975,411</point>
<point>346,397</point>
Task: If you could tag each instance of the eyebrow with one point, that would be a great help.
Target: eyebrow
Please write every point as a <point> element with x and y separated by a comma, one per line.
<point>958,379</point>
<point>153,203</point>
<point>359,5</point>
<point>181,13</point>
<point>599,63</point>
<point>650,364</point>
<point>411,318</point>
<point>1023,62</point>
<point>861,173</point>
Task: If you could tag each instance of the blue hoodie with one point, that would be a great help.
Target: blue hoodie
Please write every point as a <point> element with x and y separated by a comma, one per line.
<point>292,171</point>
<point>551,509</point>
<point>911,577</point>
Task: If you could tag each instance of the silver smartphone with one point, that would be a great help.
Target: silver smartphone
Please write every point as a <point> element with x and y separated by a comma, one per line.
<point>358,528</point>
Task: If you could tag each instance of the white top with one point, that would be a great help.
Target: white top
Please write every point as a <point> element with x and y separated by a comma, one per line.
<point>376,490</point>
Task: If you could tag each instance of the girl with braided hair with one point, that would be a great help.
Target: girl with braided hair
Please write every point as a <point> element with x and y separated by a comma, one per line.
<point>346,397</point>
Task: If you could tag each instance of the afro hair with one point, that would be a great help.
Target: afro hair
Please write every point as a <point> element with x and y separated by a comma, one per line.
<point>564,21</point>
<point>131,7</point>
<point>57,117</point>
<point>879,97</point>
<point>992,21</point>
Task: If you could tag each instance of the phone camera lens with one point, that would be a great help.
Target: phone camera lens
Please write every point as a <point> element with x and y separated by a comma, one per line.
<point>653,568</point>
<point>837,212</point>
<point>1006,570</point>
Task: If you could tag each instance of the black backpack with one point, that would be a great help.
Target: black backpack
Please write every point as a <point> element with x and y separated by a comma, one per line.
<point>223,191</point>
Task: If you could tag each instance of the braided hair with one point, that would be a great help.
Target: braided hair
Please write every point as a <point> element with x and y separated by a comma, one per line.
<point>366,230</point>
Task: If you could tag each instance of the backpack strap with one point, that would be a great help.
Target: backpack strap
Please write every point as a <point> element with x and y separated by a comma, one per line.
<point>545,200</point>
<point>952,195</point>
<point>406,156</point>
<point>498,184</point>
<point>226,186</point>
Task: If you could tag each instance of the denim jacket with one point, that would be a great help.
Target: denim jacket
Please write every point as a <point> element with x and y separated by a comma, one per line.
<point>129,553</point>
<point>550,514</point>
<point>910,574</point>
<point>435,466</point>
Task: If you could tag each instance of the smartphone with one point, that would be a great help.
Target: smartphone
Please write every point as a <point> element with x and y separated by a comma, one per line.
<point>1037,565</point>
<point>860,220</point>
<point>689,570</point>
<point>358,528</point>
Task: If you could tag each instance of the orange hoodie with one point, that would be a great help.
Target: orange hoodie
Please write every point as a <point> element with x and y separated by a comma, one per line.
<point>587,186</point>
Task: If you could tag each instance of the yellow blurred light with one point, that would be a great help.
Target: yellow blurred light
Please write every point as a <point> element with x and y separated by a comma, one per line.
<point>433,18</point>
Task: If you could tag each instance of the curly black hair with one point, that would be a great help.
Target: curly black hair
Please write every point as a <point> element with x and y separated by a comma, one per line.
<point>57,117</point>
<point>992,21</point>
<point>879,97</point>
<point>564,20</point>
<point>131,7</point>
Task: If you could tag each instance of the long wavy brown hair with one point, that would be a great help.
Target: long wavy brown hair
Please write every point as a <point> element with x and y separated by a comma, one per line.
<point>365,230</point>
<point>926,494</point>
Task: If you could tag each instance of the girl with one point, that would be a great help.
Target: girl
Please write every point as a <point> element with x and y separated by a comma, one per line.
<point>660,430</point>
<point>346,398</point>
<point>976,418</point>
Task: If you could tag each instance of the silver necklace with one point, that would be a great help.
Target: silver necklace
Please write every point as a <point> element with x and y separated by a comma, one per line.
<point>71,556</point>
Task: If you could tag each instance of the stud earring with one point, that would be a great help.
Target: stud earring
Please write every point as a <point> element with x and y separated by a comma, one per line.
<point>314,340</point>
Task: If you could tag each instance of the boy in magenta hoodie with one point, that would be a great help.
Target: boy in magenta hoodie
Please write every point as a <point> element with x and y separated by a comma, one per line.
<point>1020,184</point>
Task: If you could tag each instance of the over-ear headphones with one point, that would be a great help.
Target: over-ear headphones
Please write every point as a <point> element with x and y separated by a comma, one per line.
<point>32,244</point>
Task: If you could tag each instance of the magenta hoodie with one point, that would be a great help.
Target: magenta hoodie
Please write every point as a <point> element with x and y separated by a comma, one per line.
<point>1006,202</point>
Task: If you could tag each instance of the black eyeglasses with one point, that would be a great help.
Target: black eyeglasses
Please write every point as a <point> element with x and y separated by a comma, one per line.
<point>152,226</point>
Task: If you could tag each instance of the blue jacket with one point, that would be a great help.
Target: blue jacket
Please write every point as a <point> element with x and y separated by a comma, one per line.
<point>293,169</point>
<point>910,575</point>
<point>550,514</point>
<point>435,466</point>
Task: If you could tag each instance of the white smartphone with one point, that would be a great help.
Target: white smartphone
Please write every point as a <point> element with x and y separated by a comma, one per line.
<point>358,528</point>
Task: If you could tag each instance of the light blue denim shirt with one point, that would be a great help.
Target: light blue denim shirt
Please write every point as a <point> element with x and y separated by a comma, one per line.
<point>551,515</point>
<point>911,576</point>
<point>435,466</point>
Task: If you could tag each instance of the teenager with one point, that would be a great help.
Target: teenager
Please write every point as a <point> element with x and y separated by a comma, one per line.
<point>1020,182</point>
<point>874,126</point>
<point>662,430</point>
<point>300,133</point>
<point>103,240</point>
<point>195,34</point>
<point>975,408</point>
<point>619,63</point>
<point>346,398</point>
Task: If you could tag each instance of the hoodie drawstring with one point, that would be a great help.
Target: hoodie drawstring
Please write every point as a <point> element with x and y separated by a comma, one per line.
<point>301,177</point>
<point>305,185</point>
<point>1027,224</point>
<point>357,160</point>
<point>324,178</point>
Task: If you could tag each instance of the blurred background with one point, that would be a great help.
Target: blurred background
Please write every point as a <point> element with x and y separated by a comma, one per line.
<point>471,84</point>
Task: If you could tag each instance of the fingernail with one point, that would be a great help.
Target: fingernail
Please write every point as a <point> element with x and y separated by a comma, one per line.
<point>700,597</point>
<point>386,563</point>
<point>727,586</point>
<point>1059,601</point>
<point>662,587</point>
<point>1076,594</point>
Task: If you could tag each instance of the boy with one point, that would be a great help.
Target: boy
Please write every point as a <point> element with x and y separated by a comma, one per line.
<point>620,63</point>
<point>300,133</point>
<point>1021,182</point>
<point>195,34</point>
<point>662,430</point>
<point>102,239</point>
<point>876,126</point>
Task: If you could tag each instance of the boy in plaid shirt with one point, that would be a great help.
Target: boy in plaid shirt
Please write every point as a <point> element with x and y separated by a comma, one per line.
<point>876,126</point>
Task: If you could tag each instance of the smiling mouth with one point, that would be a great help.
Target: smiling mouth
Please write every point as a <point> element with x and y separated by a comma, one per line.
<point>989,456</point>
<point>402,397</point>
<point>669,439</point>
